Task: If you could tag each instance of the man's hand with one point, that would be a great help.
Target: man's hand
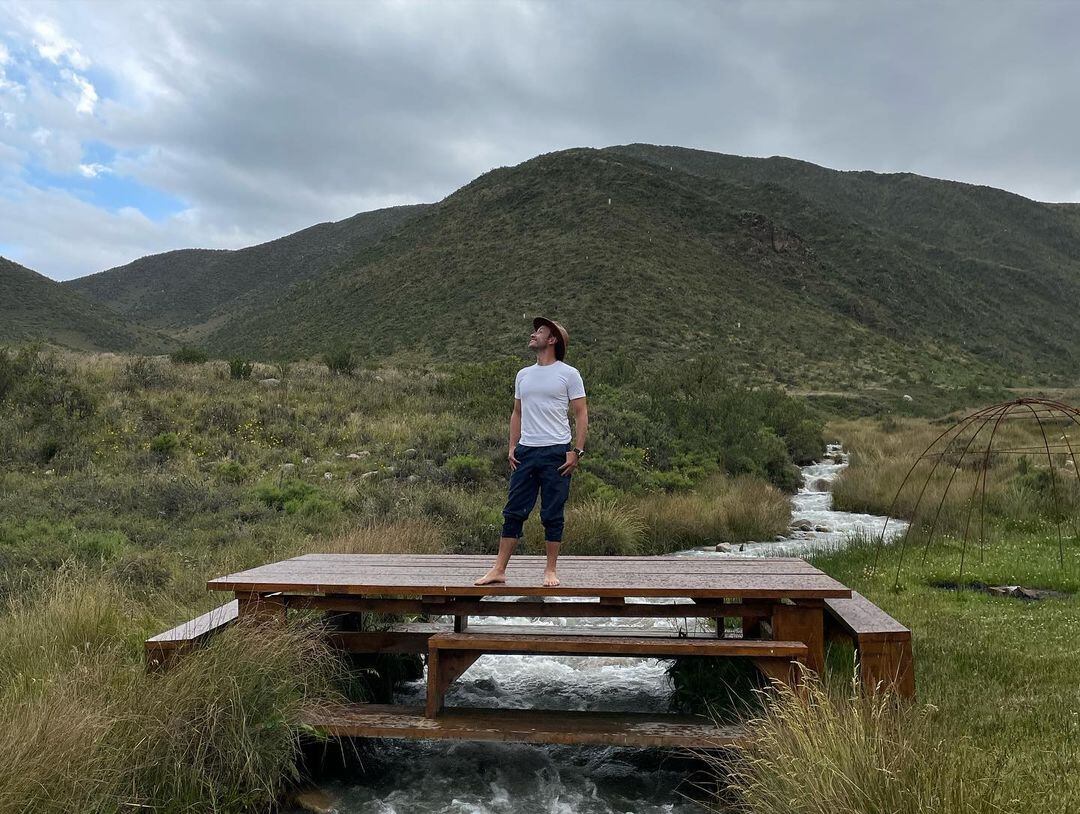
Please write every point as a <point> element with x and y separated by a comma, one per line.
<point>512,459</point>
<point>570,465</point>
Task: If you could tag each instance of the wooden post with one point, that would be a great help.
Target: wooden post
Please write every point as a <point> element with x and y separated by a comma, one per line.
<point>804,622</point>
<point>461,623</point>
<point>444,668</point>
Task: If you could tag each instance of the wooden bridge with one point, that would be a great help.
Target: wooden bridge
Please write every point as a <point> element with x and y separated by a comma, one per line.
<point>785,608</point>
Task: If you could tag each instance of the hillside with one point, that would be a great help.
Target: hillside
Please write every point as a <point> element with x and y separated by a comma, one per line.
<point>33,307</point>
<point>189,291</point>
<point>787,271</point>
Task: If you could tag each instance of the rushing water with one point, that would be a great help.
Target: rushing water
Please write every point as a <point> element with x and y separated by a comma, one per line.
<point>407,777</point>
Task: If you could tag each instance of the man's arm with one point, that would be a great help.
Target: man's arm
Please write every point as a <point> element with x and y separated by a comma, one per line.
<point>581,427</point>
<point>515,432</point>
<point>581,421</point>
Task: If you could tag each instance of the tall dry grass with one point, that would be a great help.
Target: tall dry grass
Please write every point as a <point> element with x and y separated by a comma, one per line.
<point>946,493</point>
<point>732,510</point>
<point>84,728</point>
<point>816,753</point>
<point>411,536</point>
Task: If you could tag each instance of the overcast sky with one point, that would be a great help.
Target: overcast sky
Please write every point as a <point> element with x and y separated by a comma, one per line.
<point>133,128</point>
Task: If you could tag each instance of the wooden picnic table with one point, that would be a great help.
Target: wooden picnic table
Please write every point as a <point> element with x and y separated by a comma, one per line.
<point>784,605</point>
<point>786,593</point>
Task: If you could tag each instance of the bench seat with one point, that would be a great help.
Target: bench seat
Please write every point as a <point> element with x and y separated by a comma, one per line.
<point>161,650</point>
<point>882,644</point>
<point>451,654</point>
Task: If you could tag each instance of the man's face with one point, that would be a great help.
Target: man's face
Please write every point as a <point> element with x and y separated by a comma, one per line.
<point>540,338</point>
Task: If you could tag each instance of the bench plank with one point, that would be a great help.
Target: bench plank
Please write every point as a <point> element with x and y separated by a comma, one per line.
<point>451,654</point>
<point>882,644</point>
<point>523,725</point>
<point>164,648</point>
<point>547,644</point>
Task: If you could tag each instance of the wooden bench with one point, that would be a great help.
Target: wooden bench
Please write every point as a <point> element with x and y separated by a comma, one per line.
<point>451,654</point>
<point>162,650</point>
<point>882,644</point>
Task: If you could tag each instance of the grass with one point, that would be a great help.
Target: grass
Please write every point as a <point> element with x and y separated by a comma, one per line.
<point>128,481</point>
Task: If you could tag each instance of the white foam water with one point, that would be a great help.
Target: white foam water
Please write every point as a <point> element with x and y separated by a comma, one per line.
<point>417,777</point>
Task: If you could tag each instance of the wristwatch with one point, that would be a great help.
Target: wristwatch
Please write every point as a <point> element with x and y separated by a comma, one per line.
<point>579,451</point>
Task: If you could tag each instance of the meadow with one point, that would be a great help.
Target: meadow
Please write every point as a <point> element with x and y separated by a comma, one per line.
<point>997,723</point>
<point>128,481</point>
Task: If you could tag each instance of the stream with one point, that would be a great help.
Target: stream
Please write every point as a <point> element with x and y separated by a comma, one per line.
<point>408,777</point>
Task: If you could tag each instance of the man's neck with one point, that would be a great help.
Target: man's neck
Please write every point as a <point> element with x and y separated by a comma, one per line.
<point>546,357</point>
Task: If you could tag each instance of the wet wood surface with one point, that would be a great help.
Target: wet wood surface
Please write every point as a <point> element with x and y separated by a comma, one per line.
<point>522,725</point>
<point>431,576</point>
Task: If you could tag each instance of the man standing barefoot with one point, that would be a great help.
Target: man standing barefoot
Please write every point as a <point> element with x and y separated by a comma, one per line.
<point>541,455</point>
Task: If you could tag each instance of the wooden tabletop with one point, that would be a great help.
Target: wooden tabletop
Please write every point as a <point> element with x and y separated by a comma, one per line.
<point>453,575</point>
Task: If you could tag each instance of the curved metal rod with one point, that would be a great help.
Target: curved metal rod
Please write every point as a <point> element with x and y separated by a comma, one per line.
<point>982,508</point>
<point>980,476</point>
<point>958,428</point>
<point>952,477</point>
<point>1053,489</point>
<point>1076,467</point>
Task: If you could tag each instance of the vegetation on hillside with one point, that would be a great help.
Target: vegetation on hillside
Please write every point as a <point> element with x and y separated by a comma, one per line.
<point>33,307</point>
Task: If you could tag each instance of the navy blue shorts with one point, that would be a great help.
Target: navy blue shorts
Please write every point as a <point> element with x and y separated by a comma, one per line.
<point>537,471</point>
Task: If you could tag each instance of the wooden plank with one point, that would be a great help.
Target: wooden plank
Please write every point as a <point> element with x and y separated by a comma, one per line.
<point>197,628</point>
<point>647,646</point>
<point>524,726</point>
<point>444,668</point>
<point>862,618</point>
<point>749,586</point>
<point>534,609</point>
<point>162,650</point>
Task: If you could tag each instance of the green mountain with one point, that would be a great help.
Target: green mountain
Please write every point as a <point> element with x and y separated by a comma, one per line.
<point>782,270</point>
<point>788,271</point>
<point>191,291</point>
<point>33,307</point>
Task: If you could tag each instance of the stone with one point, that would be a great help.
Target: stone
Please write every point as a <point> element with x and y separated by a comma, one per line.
<point>50,471</point>
<point>822,529</point>
<point>724,548</point>
<point>409,453</point>
<point>352,456</point>
<point>328,475</point>
<point>802,525</point>
<point>906,397</point>
<point>315,801</point>
<point>820,485</point>
<point>288,469</point>
<point>306,461</point>
<point>413,479</point>
<point>378,378</point>
<point>269,382</point>
<point>369,475</point>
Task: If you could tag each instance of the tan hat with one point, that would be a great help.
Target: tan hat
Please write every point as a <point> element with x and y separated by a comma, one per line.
<point>560,333</point>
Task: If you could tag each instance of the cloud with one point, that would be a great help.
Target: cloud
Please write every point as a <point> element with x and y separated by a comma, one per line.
<point>266,117</point>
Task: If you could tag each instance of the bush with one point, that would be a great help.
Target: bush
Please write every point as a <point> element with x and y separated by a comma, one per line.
<point>816,754</point>
<point>164,444</point>
<point>602,527</point>
<point>468,468</point>
<point>231,471</point>
<point>142,373</point>
<point>240,369</point>
<point>298,497</point>
<point>340,362</point>
<point>188,356</point>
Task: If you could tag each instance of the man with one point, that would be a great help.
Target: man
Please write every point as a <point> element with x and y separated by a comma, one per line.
<point>541,457</point>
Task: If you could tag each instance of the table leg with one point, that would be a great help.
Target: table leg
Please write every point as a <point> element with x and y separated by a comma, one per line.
<point>802,623</point>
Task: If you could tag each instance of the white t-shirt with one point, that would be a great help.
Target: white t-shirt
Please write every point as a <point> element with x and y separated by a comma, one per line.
<point>545,392</point>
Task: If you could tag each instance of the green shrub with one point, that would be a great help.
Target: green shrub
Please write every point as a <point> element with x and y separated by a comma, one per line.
<point>164,444</point>
<point>340,362</point>
<point>240,369</point>
<point>142,373</point>
<point>295,496</point>
<point>231,471</point>
<point>468,468</point>
<point>99,546</point>
<point>602,527</point>
<point>188,356</point>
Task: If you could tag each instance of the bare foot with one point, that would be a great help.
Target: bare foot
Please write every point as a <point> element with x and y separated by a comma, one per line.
<point>494,575</point>
<point>550,579</point>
